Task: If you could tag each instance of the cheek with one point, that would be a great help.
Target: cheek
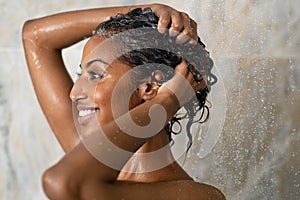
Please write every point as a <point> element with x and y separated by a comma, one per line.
<point>108,105</point>
<point>102,96</point>
<point>122,103</point>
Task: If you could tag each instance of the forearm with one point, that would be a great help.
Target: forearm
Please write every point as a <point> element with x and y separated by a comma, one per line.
<point>69,27</point>
<point>131,130</point>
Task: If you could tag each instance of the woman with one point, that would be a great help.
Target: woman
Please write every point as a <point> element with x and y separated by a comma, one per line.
<point>93,169</point>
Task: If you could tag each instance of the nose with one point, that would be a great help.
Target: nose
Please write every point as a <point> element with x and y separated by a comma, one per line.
<point>78,92</point>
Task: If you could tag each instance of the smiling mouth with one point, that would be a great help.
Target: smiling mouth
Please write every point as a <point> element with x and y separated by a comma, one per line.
<point>86,115</point>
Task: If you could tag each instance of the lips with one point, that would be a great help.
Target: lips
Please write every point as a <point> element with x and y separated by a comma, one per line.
<point>85,114</point>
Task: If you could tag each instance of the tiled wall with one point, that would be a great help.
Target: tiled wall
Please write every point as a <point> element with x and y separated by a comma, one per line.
<point>254,154</point>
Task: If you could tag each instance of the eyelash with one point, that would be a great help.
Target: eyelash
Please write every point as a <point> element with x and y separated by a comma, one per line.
<point>78,74</point>
<point>94,75</point>
<point>79,71</point>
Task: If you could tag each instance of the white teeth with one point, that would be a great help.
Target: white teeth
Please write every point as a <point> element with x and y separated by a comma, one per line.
<point>83,113</point>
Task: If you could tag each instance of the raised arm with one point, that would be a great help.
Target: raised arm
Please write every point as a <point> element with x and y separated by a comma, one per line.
<point>43,41</point>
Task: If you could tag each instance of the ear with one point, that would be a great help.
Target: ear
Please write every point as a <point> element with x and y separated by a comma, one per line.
<point>148,91</point>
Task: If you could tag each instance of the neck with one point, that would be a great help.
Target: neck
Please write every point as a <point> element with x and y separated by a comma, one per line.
<point>153,162</point>
<point>153,155</point>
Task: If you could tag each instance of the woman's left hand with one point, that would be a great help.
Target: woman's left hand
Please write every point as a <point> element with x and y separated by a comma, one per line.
<point>183,85</point>
<point>178,23</point>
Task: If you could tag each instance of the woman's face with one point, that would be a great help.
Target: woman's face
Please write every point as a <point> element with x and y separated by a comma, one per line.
<point>92,92</point>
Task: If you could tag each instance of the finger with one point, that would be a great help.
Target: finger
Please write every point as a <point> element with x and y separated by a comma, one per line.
<point>202,84</point>
<point>194,33</point>
<point>177,24</point>
<point>183,37</point>
<point>163,22</point>
<point>191,77</point>
<point>195,72</point>
<point>186,33</point>
<point>189,32</point>
<point>195,84</point>
<point>198,84</point>
<point>182,69</point>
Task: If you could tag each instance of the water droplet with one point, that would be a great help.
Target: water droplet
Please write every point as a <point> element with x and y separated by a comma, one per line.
<point>293,154</point>
<point>261,158</point>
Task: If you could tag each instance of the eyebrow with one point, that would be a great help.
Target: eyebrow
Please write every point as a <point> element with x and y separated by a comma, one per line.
<point>96,60</point>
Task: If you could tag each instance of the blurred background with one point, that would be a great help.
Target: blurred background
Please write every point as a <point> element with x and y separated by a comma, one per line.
<point>250,147</point>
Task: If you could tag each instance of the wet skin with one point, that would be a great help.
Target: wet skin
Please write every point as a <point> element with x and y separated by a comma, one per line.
<point>78,175</point>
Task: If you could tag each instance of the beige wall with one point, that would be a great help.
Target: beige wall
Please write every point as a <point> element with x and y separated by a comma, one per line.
<point>255,46</point>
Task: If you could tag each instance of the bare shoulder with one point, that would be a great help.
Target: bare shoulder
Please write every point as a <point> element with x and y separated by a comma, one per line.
<point>165,190</point>
<point>209,192</point>
<point>191,190</point>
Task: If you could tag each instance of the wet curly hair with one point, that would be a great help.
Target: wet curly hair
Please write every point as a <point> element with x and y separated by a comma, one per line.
<point>137,33</point>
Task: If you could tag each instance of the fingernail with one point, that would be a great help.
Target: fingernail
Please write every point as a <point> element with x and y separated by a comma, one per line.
<point>173,33</point>
<point>161,30</point>
<point>193,42</point>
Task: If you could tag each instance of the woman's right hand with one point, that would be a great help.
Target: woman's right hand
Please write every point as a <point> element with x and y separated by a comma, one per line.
<point>178,23</point>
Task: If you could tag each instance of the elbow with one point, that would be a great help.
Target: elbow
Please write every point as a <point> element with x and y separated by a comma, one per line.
<point>27,30</point>
<point>57,184</point>
<point>30,33</point>
<point>30,36</point>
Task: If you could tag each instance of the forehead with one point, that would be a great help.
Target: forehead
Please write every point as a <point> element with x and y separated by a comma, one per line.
<point>98,48</point>
<point>90,45</point>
